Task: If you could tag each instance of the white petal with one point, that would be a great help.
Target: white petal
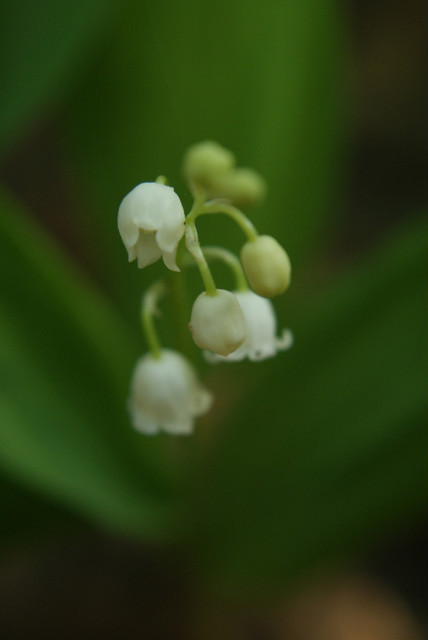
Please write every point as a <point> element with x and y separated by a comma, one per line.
<point>132,252</point>
<point>179,428</point>
<point>169,235</point>
<point>285,341</point>
<point>128,228</point>
<point>141,422</point>
<point>261,325</point>
<point>170,260</point>
<point>262,352</point>
<point>213,358</point>
<point>201,401</point>
<point>146,249</point>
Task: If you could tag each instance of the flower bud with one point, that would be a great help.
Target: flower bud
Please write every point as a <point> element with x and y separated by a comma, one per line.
<point>243,187</point>
<point>266,266</point>
<point>206,161</point>
<point>217,322</point>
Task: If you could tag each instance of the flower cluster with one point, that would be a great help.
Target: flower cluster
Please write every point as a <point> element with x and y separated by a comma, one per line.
<point>166,394</point>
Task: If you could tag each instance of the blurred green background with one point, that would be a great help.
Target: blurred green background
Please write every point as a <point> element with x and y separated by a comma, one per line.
<point>311,461</point>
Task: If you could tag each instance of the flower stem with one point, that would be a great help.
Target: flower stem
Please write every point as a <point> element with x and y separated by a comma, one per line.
<point>232,261</point>
<point>217,206</point>
<point>193,246</point>
<point>148,310</point>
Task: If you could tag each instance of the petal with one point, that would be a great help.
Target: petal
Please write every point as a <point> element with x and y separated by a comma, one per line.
<point>170,260</point>
<point>141,422</point>
<point>261,325</point>
<point>213,358</point>
<point>239,354</point>
<point>262,352</point>
<point>169,235</point>
<point>236,356</point>
<point>159,207</point>
<point>285,341</point>
<point>140,208</point>
<point>132,252</point>
<point>182,427</point>
<point>128,229</point>
<point>201,401</point>
<point>146,249</point>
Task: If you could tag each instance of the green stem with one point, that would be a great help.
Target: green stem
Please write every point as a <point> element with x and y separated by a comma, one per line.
<point>197,208</point>
<point>232,261</point>
<point>216,206</point>
<point>148,310</point>
<point>193,246</point>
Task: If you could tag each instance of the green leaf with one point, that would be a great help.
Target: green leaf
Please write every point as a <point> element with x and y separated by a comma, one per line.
<point>65,361</point>
<point>42,45</point>
<point>328,452</point>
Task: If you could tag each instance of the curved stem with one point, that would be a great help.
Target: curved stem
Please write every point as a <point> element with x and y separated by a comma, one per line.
<point>193,246</point>
<point>216,206</point>
<point>148,310</point>
<point>232,261</point>
<point>196,209</point>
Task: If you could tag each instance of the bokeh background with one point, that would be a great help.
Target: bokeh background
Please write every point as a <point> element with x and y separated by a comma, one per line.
<point>298,509</point>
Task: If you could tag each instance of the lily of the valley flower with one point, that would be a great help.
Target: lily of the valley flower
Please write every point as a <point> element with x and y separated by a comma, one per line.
<point>166,394</point>
<point>261,341</point>
<point>217,322</point>
<point>151,224</point>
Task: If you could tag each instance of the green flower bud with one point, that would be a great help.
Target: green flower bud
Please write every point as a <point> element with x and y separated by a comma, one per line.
<point>206,161</point>
<point>243,187</point>
<point>266,266</point>
<point>217,322</point>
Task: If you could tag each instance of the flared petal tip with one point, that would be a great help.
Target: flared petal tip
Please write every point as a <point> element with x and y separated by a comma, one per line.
<point>286,340</point>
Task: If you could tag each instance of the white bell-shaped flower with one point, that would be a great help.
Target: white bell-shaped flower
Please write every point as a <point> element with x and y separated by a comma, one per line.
<point>166,394</point>
<point>151,224</point>
<point>217,322</point>
<point>261,341</point>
